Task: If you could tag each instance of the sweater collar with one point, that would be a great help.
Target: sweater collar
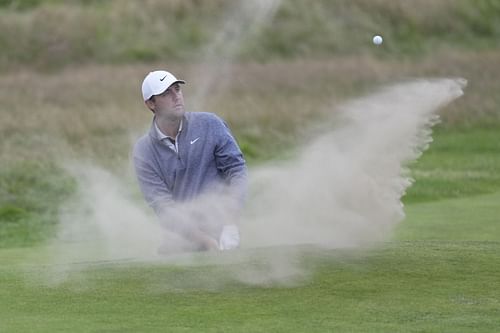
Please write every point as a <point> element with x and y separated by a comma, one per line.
<point>156,133</point>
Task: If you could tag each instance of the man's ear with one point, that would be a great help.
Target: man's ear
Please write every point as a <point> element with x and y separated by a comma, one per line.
<point>150,105</point>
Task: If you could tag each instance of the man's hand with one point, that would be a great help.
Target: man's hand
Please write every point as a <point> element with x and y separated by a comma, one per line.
<point>209,244</point>
<point>202,240</point>
<point>229,237</point>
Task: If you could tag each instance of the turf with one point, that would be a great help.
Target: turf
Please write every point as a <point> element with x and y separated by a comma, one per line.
<point>440,273</point>
<point>459,163</point>
<point>408,286</point>
<point>474,218</point>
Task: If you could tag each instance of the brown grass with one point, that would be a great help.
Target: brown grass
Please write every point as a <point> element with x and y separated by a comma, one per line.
<point>96,111</point>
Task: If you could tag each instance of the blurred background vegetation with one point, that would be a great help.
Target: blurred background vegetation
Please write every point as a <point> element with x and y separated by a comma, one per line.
<point>49,34</point>
<point>70,73</point>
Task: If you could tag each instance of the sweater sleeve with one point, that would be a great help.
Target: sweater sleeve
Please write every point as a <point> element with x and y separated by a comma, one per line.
<point>231,163</point>
<point>152,186</point>
<point>157,195</point>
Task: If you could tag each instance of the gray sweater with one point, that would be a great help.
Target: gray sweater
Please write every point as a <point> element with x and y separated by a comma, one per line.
<point>208,157</point>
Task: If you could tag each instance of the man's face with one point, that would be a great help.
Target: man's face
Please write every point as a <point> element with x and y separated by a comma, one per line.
<point>169,103</point>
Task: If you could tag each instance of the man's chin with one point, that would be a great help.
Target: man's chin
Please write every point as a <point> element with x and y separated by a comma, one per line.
<point>177,114</point>
<point>180,111</point>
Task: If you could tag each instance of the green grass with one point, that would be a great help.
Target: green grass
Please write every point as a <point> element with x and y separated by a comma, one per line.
<point>470,218</point>
<point>31,194</point>
<point>460,162</point>
<point>431,286</point>
<point>438,274</point>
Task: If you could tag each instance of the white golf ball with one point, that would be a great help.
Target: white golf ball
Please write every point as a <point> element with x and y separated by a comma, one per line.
<point>377,40</point>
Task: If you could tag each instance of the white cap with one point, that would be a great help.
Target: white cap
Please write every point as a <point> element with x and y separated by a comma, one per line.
<point>157,82</point>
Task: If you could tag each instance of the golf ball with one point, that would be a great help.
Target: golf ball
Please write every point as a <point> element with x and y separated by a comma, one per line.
<point>377,40</point>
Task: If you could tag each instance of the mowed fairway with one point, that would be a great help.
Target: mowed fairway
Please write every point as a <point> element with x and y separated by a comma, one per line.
<point>440,274</point>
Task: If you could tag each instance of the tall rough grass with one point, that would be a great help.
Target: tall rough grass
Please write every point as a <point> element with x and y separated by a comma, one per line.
<point>96,110</point>
<point>50,34</point>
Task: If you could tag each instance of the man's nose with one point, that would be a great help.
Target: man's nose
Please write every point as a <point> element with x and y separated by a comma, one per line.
<point>176,94</point>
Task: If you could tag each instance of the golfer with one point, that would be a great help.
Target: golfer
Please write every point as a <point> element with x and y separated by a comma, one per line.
<point>184,156</point>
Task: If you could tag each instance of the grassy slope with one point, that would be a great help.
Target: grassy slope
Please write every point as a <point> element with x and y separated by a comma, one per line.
<point>48,34</point>
<point>437,275</point>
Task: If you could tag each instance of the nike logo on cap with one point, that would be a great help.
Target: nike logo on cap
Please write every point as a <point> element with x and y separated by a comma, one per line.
<point>163,78</point>
<point>193,141</point>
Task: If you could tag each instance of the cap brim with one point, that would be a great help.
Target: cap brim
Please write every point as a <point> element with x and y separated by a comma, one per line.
<point>166,87</point>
